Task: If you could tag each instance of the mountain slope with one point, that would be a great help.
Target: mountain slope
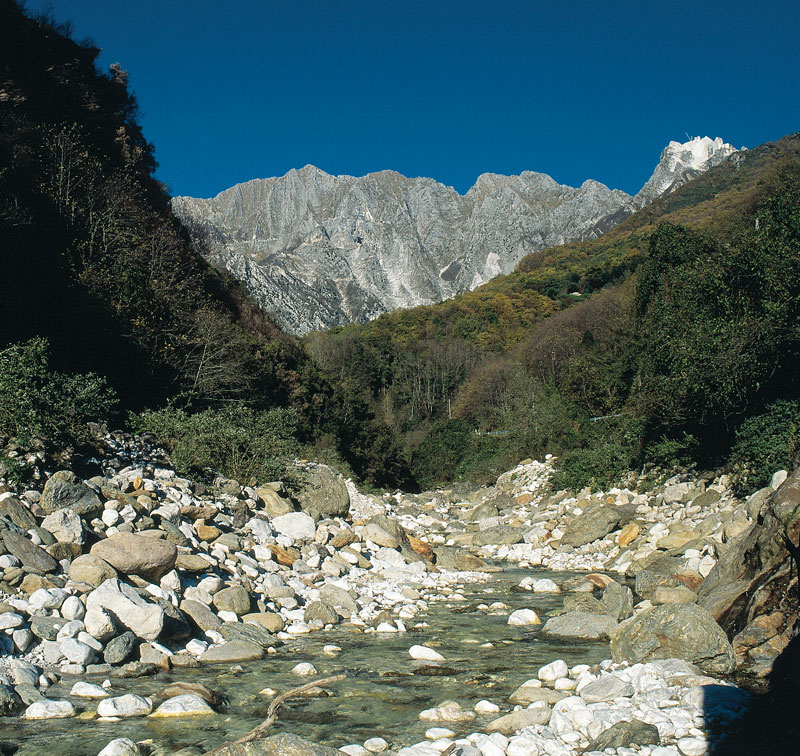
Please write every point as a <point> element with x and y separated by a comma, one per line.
<point>539,351</point>
<point>319,250</point>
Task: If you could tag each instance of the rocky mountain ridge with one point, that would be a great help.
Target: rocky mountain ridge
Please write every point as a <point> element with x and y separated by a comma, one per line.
<point>318,250</point>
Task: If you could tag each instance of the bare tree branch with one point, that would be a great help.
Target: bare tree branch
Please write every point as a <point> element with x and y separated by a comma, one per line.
<point>272,712</point>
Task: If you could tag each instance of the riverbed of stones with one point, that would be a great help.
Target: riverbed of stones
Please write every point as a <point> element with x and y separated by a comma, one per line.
<point>138,569</point>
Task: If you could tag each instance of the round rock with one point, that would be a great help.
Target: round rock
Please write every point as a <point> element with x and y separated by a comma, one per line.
<point>423,653</point>
<point>551,672</point>
<point>120,747</point>
<point>234,599</point>
<point>523,617</point>
<point>186,704</point>
<point>298,526</point>
<point>50,709</point>
<point>149,558</point>
<point>90,569</point>
<point>129,705</point>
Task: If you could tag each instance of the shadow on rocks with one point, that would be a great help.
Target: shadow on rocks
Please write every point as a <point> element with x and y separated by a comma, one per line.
<point>766,723</point>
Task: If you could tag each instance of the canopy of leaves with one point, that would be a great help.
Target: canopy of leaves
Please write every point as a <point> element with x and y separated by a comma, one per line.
<point>37,402</point>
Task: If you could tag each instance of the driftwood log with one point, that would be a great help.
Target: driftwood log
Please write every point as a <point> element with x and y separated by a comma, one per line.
<point>272,712</point>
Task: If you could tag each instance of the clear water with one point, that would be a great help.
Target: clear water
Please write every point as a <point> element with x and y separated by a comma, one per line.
<point>382,695</point>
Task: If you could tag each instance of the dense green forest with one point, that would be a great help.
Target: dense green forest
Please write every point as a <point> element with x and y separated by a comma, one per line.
<point>673,338</point>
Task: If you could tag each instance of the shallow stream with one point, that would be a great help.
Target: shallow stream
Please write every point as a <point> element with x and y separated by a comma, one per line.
<point>382,695</point>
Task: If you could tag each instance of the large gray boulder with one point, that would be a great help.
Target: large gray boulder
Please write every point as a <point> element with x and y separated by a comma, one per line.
<point>528,694</point>
<point>17,512</point>
<point>339,599</point>
<point>581,626</point>
<point>618,599</point>
<point>33,557</point>
<point>66,490</point>
<point>322,612</point>
<point>453,558</point>
<point>660,572</point>
<point>299,526</point>
<point>233,651</point>
<point>625,734</point>
<point>393,528</point>
<point>247,631</point>
<point>120,600</point>
<point>375,533</point>
<point>499,535</point>
<point>597,522</point>
<point>201,615</point>
<point>234,599</point>
<point>65,525</point>
<point>508,724</point>
<point>605,688</point>
<point>746,590</point>
<point>121,648</point>
<point>324,493</point>
<point>149,558</point>
<point>683,631</point>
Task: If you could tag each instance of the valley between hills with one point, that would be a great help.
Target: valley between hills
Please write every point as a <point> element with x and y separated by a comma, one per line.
<point>333,464</point>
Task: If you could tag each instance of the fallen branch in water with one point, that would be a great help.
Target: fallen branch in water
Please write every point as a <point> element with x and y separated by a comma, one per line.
<point>272,711</point>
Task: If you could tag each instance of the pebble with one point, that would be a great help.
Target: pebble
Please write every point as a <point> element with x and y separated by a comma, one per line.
<point>120,747</point>
<point>304,669</point>
<point>184,705</point>
<point>435,733</point>
<point>376,745</point>
<point>523,617</point>
<point>552,671</point>
<point>50,709</point>
<point>354,749</point>
<point>423,653</point>
<point>87,690</point>
<point>129,705</point>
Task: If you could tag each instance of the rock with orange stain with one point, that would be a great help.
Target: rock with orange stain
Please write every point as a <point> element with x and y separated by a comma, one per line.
<point>628,534</point>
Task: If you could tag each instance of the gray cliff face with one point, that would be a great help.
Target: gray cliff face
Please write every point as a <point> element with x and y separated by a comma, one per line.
<point>318,250</point>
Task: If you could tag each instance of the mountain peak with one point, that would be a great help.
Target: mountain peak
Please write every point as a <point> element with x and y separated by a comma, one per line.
<point>697,152</point>
<point>681,161</point>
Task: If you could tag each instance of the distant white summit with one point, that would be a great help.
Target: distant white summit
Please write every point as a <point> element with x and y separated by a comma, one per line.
<point>681,162</point>
<point>318,250</point>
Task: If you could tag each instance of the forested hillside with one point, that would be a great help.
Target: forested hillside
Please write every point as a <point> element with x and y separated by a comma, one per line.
<point>102,279</point>
<point>678,329</point>
<point>672,338</point>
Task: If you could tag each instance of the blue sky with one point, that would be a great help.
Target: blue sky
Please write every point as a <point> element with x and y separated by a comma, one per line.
<point>244,89</point>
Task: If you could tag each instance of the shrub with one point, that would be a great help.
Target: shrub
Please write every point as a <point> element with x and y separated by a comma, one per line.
<point>435,460</point>
<point>609,451</point>
<point>37,402</point>
<point>766,443</point>
<point>670,452</point>
<point>487,458</point>
<point>236,441</point>
<point>597,466</point>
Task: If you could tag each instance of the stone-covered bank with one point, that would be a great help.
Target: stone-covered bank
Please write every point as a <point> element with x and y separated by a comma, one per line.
<point>138,569</point>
